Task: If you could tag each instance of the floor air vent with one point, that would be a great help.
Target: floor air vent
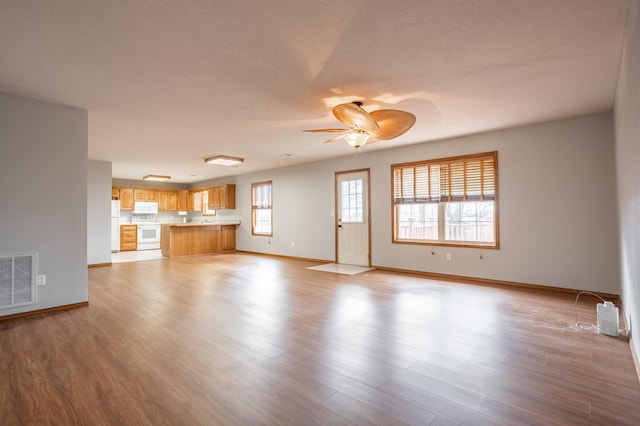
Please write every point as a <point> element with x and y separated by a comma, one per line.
<point>17,280</point>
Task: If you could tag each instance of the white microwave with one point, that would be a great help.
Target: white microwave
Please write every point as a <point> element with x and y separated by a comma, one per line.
<point>145,207</point>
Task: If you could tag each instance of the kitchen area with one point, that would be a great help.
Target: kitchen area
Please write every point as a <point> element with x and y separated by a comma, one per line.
<point>156,223</point>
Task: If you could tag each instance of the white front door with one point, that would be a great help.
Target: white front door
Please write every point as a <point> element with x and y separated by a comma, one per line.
<point>352,227</point>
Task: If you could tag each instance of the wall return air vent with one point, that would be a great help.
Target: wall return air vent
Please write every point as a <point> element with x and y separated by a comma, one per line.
<point>17,280</point>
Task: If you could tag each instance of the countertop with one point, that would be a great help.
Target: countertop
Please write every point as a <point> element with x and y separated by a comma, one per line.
<point>216,223</point>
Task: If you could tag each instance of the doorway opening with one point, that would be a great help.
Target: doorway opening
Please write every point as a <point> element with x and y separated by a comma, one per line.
<point>353,225</point>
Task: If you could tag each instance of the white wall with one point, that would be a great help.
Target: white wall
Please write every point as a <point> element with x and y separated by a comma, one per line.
<point>302,199</point>
<point>43,170</point>
<point>98,212</point>
<point>627,130</point>
<point>558,230</point>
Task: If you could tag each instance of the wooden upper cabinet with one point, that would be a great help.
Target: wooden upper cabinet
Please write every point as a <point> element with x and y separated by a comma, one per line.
<point>163,198</point>
<point>182,200</point>
<point>218,197</point>
<point>222,197</point>
<point>213,198</point>
<point>126,198</point>
<point>172,201</point>
<point>228,196</point>
<point>145,195</point>
<point>167,200</point>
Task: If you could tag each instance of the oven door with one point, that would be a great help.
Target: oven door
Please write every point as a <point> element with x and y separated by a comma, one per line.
<point>148,237</point>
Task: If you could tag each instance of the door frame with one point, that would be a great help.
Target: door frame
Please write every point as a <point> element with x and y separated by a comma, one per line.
<point>336,191</point>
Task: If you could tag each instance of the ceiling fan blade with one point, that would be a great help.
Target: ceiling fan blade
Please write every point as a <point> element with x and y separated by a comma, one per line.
<point>353,115</point>
<point>336,139</point>
<point>326,130</point>
<point>392,123</point>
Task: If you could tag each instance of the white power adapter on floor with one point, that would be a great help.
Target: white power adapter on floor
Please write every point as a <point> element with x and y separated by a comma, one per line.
<point>607,318</point>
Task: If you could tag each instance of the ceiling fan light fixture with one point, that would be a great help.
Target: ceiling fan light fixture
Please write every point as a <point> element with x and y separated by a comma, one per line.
<point>365,127</point>
<point>357,139</point>
<point>156,177</point>
<point>224,160</point>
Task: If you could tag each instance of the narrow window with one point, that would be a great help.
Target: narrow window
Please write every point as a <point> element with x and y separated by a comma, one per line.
<point>447,201</point>
<point>352,210</point>
<point>261,209</point>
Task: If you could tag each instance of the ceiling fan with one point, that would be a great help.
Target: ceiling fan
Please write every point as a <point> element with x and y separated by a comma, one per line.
<point>368,127</point>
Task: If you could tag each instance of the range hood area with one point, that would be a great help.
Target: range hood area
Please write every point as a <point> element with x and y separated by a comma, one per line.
<point>145,207</point>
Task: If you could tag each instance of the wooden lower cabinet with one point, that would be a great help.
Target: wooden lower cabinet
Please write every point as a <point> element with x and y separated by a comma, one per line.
<point>194,239</point>
<point>128,237</point>
<point>228,237</point>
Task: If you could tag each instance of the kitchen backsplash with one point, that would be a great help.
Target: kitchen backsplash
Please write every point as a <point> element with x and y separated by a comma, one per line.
<point>174,217</point>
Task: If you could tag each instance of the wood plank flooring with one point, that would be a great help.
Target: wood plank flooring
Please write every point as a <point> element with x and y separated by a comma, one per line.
<point>241,339</point>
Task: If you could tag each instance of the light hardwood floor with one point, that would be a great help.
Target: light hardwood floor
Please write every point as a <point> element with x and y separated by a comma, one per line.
<point>241,339</point>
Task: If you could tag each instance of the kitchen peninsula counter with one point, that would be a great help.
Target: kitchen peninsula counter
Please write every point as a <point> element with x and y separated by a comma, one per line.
<point>218,223</point>
<point>188,239</point>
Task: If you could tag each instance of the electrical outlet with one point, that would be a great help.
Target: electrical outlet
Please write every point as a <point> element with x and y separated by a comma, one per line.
<point>448,256</point>
<point>41,279</point>
<point>293,244</point>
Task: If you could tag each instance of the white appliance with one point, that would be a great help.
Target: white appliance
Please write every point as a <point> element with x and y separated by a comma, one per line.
<point>145,207</point>
<point>607,314</point>
<point>148,232</point>
<point>115,226</point>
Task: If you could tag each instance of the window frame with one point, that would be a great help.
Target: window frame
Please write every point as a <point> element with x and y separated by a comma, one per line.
<point>443,199</point>
<point>205,204</point>
<point>255,208</point>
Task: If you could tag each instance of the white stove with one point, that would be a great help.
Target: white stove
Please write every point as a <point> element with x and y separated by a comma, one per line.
<point>148,232</point>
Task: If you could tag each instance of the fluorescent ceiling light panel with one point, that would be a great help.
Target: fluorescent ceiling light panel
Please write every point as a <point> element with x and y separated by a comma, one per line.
<point>223,160</point>
<point>156,177</point>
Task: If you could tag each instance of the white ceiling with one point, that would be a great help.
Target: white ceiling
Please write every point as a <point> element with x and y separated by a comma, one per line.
<point>169,83</point>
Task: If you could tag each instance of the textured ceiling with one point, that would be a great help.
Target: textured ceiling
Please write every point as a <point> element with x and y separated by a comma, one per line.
<point>169,83</point>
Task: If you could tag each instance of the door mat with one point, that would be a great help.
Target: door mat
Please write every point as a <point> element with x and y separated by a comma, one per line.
<point>339,268</point>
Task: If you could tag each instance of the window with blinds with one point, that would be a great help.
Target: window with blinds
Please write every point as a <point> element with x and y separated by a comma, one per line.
<point>261,209</point>
<point>449,201</point>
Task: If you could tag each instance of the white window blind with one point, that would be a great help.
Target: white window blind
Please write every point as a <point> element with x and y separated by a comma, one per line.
<point>261,195</point>
<point>261,209</point>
